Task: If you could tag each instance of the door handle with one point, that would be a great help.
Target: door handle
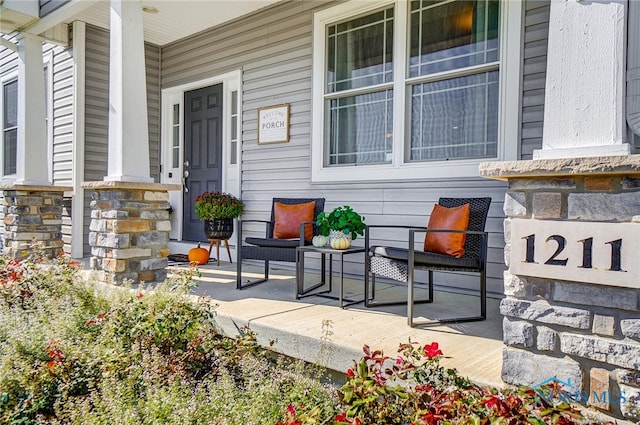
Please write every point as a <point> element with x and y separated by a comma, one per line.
<point>185,174</point>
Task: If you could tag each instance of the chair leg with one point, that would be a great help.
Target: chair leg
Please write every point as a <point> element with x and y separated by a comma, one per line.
<point>410,297</point>
<point>248,284</point>
<point>483,294</point>
<point>431,285</point>
<point>483,305</point>
<point>370,284</point>
<point>373,286</point>
<point>370,287</point>
<point>369,281</point>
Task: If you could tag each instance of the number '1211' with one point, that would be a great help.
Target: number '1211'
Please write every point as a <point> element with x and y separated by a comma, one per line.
<point>587,252</point>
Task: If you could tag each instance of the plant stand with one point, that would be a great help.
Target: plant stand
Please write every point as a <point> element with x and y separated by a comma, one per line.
<point>217,242</point>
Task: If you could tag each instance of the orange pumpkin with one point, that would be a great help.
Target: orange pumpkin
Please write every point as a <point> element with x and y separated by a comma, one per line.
<point>199,255</point>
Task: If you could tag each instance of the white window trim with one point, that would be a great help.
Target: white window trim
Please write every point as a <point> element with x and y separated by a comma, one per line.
<point>509,107</point>
<point>231,81</point>
<point>5,79</point>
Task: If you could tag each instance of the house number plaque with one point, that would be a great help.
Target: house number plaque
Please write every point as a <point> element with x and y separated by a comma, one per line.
<point>593,252</point>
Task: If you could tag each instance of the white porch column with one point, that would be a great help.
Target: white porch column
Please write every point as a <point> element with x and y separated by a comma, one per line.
<point>585,88</point>
<point>128,128</point>
<point>31,166</point>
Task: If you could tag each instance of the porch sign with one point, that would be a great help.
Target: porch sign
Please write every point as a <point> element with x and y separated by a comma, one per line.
<point>593,252</point>
<point>273,124</point>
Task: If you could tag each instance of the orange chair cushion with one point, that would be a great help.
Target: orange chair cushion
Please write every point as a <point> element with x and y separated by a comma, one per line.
<point>443,218</point>
<point>288,219</point>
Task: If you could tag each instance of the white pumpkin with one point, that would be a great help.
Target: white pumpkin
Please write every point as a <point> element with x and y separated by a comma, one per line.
<point>319,241</point>
<point>340,243</point>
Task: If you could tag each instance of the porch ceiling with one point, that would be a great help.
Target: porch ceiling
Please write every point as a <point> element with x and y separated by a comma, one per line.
<point>165,21</point>
<point>169,20</point>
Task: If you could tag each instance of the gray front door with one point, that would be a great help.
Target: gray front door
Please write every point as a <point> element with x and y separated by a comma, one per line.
<point>202,153</point>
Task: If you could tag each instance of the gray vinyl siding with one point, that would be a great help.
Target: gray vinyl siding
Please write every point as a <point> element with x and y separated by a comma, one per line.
<point>536,34</point>
<point>62,119</point>
<point>152,58</point>
<point>273,49</point>
<point>97,111</point>
<point>96,115</point>
<point>62,154</point>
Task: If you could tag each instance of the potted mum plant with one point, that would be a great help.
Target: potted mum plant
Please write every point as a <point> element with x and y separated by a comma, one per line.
<point>342,225</point>
<point>218,209</point>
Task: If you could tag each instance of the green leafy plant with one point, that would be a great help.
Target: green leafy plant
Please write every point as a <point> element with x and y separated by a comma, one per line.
<point>343,219</point>
<point>213,205</point>
<point>414,389</point>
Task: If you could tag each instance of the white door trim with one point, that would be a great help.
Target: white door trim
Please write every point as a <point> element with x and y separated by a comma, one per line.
<point>231,81</point>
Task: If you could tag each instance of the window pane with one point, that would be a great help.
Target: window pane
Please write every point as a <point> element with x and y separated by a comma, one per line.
<point>234,128</point>
<point>360,129</point>
<point>447,35</point>
<point>360,52</point>
<point>234,102</point>
<point>175,136</point>
<point>10,147</point>
<point>10,102</point>
<point>175,153</point>
<point>455,118</point>
<point>234,140</point>
<point>176,114</point>
<point>10,129</point>
<point>234,152</point>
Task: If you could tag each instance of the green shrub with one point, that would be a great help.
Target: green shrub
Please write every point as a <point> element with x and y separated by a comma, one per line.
<point>73,354</point>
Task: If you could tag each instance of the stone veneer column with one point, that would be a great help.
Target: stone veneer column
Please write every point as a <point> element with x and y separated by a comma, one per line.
<point>585,333</point>
<point>32,214</point>
<point>129,230</point>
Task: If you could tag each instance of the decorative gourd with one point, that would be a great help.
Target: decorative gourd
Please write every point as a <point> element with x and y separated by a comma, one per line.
<point>319,241</point>
<point>198,255</point>
<point>340,243</point>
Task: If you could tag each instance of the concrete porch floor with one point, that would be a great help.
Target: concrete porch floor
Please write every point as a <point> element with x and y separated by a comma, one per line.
<point>315,329</point>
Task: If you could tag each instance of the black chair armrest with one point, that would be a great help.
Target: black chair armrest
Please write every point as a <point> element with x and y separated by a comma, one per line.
<point>267,224</point>
<point>254,221</point>
<point>368,228</point>
<point>303,224</point>
<point>415,230</point>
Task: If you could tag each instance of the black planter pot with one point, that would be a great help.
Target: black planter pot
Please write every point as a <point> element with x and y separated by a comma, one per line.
<point>218,228</point>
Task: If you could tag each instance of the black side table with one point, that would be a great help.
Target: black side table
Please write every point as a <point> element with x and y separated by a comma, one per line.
<point>324,251</point>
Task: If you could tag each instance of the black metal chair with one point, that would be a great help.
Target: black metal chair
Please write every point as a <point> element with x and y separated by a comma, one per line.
<point>269,248</point>
<point>400,263</point>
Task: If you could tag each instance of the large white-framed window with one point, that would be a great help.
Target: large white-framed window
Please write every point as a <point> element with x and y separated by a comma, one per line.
<point>414,89</point>
<point>9,121</point>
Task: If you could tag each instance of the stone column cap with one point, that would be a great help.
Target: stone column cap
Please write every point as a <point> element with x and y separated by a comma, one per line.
<point>36,188</point>
<point>541,168</point>
<point>103,185</point>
